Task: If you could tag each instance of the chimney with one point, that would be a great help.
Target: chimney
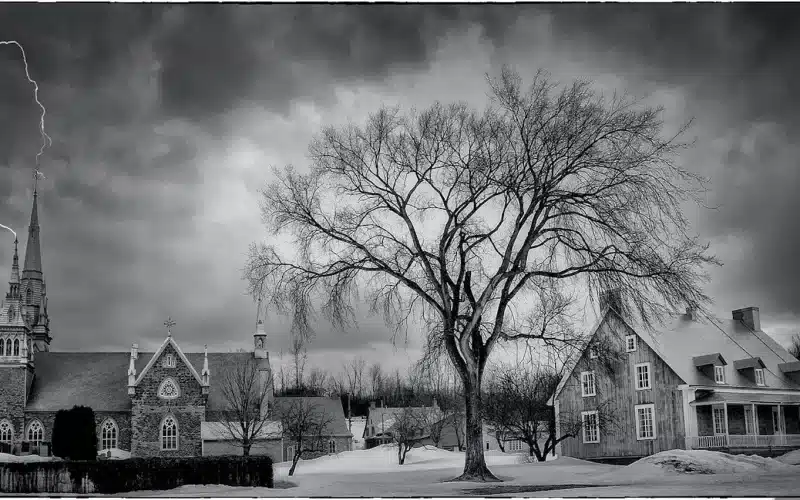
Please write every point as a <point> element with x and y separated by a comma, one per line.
<point>132,370</point>
<point>749,316</point>
<point>611,298</point>
<point>691,312</point>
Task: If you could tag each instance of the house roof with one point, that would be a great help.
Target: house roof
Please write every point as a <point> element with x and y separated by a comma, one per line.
<point>331,407</point>
<point>100,379</point>
<point>679,340</point>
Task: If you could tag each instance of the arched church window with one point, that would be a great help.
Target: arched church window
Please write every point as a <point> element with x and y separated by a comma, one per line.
<point>35,432</point>
<point>8,347</point>
<point>168,389</point>
<point>6,432</point>
<point>10,314</point>
<point>108,435</point>
<point>29,296</point>
<point>169,433</point>
<point>16,347</point>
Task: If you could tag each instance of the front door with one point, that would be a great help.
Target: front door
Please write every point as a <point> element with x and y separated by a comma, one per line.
<point>290,453</point>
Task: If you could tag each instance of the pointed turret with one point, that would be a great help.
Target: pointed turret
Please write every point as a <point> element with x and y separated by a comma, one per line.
<point>13,283</point>
<point>206,373</point>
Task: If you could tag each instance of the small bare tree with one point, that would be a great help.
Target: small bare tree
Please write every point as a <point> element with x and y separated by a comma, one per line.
<point>299,358</point>
<point>246,389</point>
<point>376,379</point>
<point>354,370</point>
<point>306,425</point>
<point>460,219</point>
<point>408,429</point>
<point>317,381</point>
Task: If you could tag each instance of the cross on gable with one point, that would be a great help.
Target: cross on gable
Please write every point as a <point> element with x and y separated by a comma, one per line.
<point>169,323</point>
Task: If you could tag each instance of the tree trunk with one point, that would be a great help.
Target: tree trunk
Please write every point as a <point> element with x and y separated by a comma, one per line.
<point>295,459</point>
<point>474,464</point>
<point>246,449</point>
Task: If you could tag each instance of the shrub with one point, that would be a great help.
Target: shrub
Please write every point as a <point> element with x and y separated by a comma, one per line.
<point>75,434</point>
<point>156,473</point>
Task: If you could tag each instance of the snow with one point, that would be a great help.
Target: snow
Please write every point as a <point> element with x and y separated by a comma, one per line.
<point>791,458</point>
<point>115,454</point>
<point>375,472</point>
<point>7,458</point>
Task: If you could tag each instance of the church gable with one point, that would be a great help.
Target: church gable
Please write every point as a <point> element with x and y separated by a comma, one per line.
<point>169,379</point>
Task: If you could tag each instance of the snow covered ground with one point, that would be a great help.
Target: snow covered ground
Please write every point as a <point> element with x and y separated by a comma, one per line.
<point>375,472</point>
<point>7,458</point>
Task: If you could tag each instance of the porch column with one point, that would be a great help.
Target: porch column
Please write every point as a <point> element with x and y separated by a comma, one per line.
<point>727,425</point>
<point>755,418</point>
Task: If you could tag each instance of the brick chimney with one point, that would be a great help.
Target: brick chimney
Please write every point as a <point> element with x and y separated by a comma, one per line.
<point>749,316</point>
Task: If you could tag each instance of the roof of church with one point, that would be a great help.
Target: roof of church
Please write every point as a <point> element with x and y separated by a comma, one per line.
<point>100,379</point>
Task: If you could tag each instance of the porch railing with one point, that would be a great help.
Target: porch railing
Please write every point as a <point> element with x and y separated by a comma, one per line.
<point>742,441</point>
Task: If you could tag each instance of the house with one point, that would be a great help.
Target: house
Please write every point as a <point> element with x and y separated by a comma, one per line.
<point>512,443</point>
<point>382,423</point>
<point>336,437</point>
<point>165,403</point>
<point>691,384</point>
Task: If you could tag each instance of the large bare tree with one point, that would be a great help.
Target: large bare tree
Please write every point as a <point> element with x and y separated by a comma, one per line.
<point>463,220</point>
<point>246,390</point>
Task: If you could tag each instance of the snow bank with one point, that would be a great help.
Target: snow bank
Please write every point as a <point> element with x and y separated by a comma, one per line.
<point>791,458</point>
<point>115,454</point>
<point>676,462</point>
<point>7,458</point>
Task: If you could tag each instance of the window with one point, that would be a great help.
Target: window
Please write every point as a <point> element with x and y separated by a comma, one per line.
<point>748,420</point>
<point>10,314</point>
<point>168,389</point>
<point>760,380</point>
<point>642,376</point>
<point>169,361</point>
<point>515,445</point>
<point>593,352</point>
<point>331,446</point>
<point>8,347</point>
<point>591,427</point>
<point>630,343</point>
<point>719,374</point>
<point>587,384</point>
<point>29,296</point>
<point>290,452</point>
<point>6,432</point>
<point>719,421</point>
<point>108,435</point>
<point>169,434</point>
<point>35,432</point>
<point>16,347</point>
<point>645,422</point>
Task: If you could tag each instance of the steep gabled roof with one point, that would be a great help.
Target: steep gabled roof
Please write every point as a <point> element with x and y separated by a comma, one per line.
<point>168,341</point>
<point>679,340</point>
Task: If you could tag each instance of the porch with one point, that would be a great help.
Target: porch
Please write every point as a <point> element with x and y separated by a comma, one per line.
<point>749,421</point>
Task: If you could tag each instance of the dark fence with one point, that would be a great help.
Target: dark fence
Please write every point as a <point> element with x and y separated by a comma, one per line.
<point>117,476</point>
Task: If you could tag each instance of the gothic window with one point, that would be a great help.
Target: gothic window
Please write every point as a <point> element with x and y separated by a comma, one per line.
<point>35,432</point>
<point>29,296</point>
<point>10,314</point>
<point>6,432</point>
<point>16,347</point>
<point>8,347</point>
<point>169,433</point>
<point>168,389</point>
<point>108,435</point>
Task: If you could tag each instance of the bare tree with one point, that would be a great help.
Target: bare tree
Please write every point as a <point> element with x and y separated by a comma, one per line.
<point>317,380</point>
<point>305,425</point>
<point>376,379</point>
<point>354,370</point>
<point>408,429</point>
<point>456,218</point>
<point>245,390</point>
<point>794,348</point>
<point>299,358</point>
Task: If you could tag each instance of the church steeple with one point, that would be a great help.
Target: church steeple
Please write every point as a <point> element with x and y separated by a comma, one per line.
<point>32,288</point>
<point>13,283</point>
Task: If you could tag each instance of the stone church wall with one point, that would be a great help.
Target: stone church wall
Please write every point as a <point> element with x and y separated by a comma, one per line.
<point>12,397</point>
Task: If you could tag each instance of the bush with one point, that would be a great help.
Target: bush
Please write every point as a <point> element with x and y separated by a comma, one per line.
<point>75,434</point>
<point>156,473</point>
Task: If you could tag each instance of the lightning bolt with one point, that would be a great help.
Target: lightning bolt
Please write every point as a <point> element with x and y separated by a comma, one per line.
<point>46,140</point>
<point>12,231</point>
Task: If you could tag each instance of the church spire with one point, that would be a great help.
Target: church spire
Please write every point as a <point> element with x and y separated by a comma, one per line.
<point>13,288</point>
<point>33,252</point>
<point>32,287</point>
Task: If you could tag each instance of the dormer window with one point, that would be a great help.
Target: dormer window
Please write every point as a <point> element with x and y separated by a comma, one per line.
<point>630,343</point>
<point>760,379</point>
<point>719,374</point>
<point>169,361</point>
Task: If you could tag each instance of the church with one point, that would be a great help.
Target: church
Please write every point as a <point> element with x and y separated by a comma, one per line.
<point>162,403</point>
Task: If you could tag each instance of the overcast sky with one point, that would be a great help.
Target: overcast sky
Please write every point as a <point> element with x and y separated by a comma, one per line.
<point>166,120</point>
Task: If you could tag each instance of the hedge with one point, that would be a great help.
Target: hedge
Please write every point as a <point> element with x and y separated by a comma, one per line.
<point>118,476</point>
